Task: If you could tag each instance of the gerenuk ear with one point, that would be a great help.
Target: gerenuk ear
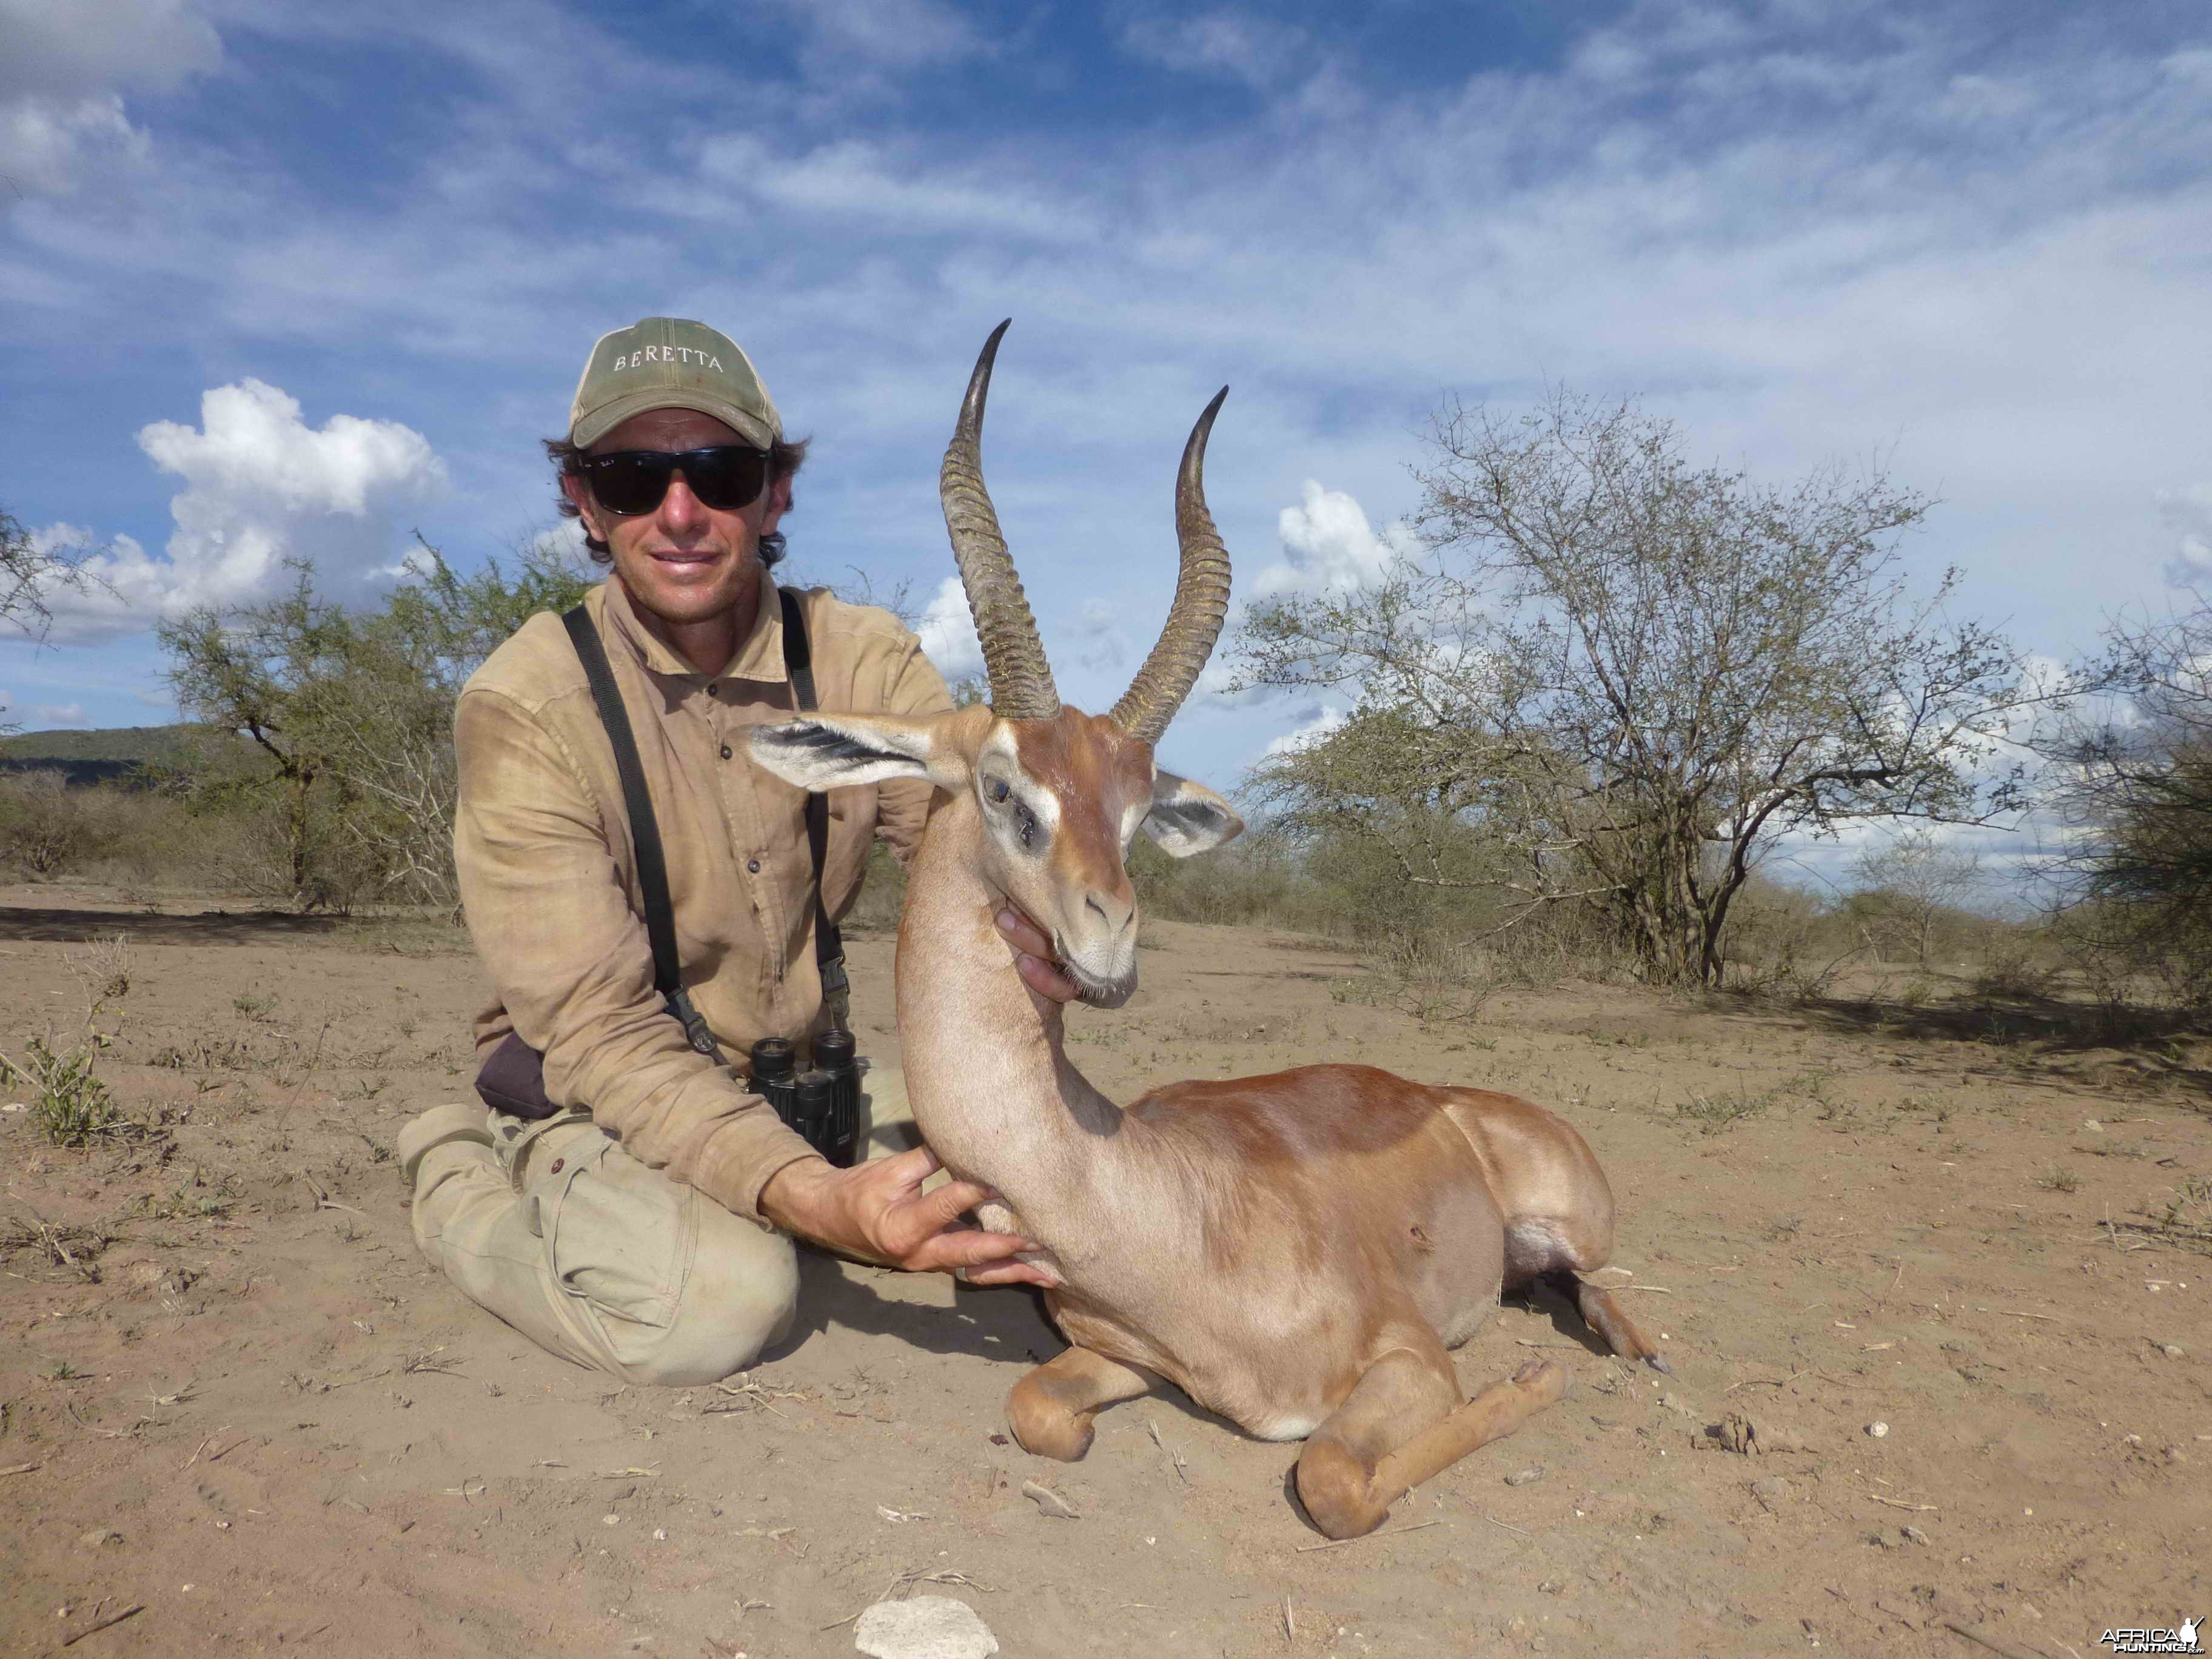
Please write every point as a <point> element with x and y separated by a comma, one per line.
<point>1188,818</point>
<point>828,751</point>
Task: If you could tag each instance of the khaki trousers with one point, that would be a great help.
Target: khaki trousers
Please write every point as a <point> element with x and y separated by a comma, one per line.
<point>596,1257</point>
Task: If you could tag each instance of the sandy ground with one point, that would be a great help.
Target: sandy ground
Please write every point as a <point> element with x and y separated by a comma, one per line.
<point>232,1396</point>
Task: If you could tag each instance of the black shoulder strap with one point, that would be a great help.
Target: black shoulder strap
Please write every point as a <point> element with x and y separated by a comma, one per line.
<point>644,831</point>
<point>828,945</point>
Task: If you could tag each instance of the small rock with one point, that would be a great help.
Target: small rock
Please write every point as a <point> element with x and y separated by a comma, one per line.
<point>1674,1402</point>
<point>2028,1610</point>
<point>1913,1534</point>
<point>2173,1351</point>
<point>1773,1486</point>
<point>1877,1429</point>
<point>1553,1586</point>
<point>925,1627</point>
<point>98,1536</point>
<point>1883,1540</point>
<point>1049,1501</point>
<point>1525,1477</point>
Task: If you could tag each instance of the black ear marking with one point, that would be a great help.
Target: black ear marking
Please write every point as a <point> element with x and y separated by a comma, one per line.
<point>829,743</point>
<point>1188,817</point>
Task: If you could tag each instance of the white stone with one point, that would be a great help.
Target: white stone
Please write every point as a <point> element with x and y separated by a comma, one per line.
<point>924,1627</point>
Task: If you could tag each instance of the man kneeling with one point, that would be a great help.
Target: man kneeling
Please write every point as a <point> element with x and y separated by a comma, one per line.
<point>645,1226</point>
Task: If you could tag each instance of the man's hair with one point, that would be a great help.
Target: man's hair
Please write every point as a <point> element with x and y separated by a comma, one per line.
<point>784,460</point>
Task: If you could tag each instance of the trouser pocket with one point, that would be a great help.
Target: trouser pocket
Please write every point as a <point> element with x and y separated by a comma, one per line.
<point>618,1236</point>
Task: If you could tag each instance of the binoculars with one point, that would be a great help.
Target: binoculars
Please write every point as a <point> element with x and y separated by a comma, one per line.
<point>822,1103</point>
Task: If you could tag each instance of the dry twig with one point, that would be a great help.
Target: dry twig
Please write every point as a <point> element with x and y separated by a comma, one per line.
<point>106,1434</point>
<point>1339,1543</point>
<point>130,1612</point>
<point>1768,1382</point>
<point>1982,1636</point>
<point>1174,1457</point>
<point>747,1396</point>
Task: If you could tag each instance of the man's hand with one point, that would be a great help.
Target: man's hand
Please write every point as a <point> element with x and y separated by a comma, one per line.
<point>878,1211</point>
<point>1033,956</point>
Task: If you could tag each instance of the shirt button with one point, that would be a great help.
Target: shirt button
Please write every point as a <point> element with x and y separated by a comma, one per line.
<point>728,751</point>
<point>753,865</point>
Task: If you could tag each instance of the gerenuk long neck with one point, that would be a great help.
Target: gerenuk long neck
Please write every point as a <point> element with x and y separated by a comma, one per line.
<point>992,1088</point>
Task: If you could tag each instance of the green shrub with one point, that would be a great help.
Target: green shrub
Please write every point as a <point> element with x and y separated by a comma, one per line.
<point>68,1101</point>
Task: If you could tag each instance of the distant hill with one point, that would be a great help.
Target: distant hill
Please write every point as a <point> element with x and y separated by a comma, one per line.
<point>99,757</point>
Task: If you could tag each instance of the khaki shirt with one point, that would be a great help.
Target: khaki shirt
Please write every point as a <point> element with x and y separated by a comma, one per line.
<point>549,882</point>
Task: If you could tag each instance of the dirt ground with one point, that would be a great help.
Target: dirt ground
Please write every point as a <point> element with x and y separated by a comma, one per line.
<point>233,1396</point>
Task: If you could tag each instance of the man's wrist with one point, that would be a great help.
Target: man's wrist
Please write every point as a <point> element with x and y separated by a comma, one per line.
<point>795,1197</point>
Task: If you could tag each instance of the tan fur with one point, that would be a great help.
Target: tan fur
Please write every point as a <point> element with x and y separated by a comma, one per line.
<point>1295,1251</point>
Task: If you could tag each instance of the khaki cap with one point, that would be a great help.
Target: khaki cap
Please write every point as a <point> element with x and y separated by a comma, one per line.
<point>671,362</point>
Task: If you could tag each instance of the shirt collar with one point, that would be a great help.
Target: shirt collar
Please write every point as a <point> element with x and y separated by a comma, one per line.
<point>759,655</point>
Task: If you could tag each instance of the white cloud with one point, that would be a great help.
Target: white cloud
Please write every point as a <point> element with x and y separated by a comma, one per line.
<point>261,486</point>
<point>947,632</point>
<point>68,48</point>
<point>1329,547</point>
<point>889,189</point>
<point>895,33</point>
<point>1256,50</point>
<point>1099,642</point>
<point>51,146</point>
<point>2188,514</point>
<point>561,544</point>
<point>58,713</point>
<point>61,113</point>
<point>1321,719</point>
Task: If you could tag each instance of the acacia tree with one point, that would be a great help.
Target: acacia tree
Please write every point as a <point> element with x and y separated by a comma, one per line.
<point>29,573</point>
<point>1908,888</point>
<point>2133,777</point>
<point>1634,673</point>
<point>353,710</point>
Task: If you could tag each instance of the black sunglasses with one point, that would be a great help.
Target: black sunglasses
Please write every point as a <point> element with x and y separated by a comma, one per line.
<point>633,481</point>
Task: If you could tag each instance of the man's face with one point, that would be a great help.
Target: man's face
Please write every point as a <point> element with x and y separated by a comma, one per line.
<point>684,563</point>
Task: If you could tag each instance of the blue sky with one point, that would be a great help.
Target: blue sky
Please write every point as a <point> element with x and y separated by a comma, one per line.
<point>282,278</point>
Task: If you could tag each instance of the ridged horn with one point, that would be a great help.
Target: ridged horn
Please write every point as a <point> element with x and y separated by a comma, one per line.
<point>1201,600</point>
<point>1013,655</point>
